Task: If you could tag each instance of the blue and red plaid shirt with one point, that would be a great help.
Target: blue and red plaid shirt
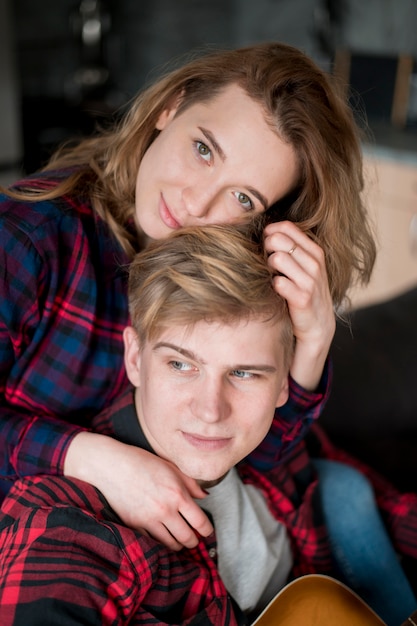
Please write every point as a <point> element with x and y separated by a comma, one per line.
<point>66,559</point>
<point>63,307</point>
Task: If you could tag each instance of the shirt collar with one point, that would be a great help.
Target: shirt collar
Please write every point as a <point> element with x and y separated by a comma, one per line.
<point>125,423</point>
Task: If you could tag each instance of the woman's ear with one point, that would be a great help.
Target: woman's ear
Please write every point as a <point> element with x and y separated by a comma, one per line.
<point>132,356</point>
<point>168,114</point>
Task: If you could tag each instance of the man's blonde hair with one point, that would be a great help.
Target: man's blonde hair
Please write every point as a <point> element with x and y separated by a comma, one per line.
<point>216,273</point>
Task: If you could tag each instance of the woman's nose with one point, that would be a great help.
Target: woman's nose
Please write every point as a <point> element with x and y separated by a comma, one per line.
<point>197,202</point>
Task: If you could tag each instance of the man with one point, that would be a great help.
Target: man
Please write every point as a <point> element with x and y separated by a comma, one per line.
<point>207,354</point>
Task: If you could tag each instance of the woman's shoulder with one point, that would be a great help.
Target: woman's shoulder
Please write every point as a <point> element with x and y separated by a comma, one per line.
<point>28,213</point>
<point>43,180</point>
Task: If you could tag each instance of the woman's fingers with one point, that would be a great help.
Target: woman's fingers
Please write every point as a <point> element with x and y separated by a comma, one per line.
<point>301,278</point>
<point>300,268</point>
<point>147,492</point>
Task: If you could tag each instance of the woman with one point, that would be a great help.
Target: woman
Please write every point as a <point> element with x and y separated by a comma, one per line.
<point>225,137</point>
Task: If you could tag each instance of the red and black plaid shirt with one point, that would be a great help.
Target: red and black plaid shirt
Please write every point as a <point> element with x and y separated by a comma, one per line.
<point>65,558</point>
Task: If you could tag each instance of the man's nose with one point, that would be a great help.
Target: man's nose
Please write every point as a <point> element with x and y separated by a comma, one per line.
<point>211,403</point>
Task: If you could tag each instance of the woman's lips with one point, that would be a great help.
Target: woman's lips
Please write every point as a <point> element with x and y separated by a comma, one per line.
<point>206,443</point>
<point>167,217</point>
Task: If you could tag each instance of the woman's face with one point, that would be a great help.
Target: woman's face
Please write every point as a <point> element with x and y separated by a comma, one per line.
<point>215,162</point>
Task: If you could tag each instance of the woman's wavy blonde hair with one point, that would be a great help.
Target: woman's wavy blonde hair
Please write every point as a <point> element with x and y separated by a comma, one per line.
<point>301,103</point>
<point>196,274</point>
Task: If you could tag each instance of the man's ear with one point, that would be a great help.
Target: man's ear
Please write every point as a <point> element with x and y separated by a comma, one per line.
<point>132,355</point>
<point>283,394</point>
<point>168,114</point>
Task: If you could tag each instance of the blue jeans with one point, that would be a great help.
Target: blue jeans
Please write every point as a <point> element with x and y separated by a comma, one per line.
<point>361,546</point>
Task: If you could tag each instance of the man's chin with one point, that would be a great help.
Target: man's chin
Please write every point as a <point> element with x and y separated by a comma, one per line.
<point>206,484</point>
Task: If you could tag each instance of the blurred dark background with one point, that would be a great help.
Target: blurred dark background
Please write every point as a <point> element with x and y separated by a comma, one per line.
<point>67,65</point>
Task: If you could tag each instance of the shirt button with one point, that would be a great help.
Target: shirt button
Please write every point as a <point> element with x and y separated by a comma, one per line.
<point>212,553</point>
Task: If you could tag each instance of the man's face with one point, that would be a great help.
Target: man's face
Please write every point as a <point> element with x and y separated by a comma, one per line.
<point>206,395</point>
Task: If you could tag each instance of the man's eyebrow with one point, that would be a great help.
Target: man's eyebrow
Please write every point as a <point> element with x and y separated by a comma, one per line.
<point>258,367</point>
<point>211,138</point>
<point>255,367</point>
<point>187,353</point>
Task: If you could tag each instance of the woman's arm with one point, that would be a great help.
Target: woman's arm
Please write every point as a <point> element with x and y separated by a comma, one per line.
<point>302,280</point>
<point>147,492</point>
<point>31,440</point>
<point>291,422</point>
<point>58,357</point>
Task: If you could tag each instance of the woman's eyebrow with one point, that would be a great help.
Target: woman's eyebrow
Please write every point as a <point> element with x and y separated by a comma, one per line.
<point>260,197</point>
<point>211,138</point>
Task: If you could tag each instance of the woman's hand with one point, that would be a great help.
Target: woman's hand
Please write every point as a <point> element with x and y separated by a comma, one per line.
<point>303,282</point>
<point>148,493</point>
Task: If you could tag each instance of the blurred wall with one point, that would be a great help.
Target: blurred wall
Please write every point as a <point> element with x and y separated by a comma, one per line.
<point>10,127</point>
<point>68,80</point>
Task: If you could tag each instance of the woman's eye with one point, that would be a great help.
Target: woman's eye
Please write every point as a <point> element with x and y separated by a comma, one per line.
<point>203,150</point>
<point>244,200</point>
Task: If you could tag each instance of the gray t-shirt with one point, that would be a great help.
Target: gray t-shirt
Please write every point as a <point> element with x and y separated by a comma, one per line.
<point>254,552</point>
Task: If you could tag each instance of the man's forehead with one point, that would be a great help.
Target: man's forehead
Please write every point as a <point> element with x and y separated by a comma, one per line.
<point>244,340</point>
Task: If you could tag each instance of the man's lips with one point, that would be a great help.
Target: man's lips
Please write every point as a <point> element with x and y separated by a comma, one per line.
<point>167,217</point>
<point>206,443</point>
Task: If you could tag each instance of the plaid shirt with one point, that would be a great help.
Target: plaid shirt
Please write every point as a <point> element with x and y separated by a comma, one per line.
<point>66,559</point>
<point>63,307</point>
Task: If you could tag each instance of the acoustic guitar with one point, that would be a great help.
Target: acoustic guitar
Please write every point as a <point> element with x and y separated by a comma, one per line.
<point>318,600</point>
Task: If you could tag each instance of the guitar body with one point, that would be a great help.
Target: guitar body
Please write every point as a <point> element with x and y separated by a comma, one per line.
<point>317,600</point>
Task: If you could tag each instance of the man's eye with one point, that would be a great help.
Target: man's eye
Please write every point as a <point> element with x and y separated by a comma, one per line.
<point>244,200</point>
<point>203,150</point>
<point>242,374</point>
<point>180,366</point>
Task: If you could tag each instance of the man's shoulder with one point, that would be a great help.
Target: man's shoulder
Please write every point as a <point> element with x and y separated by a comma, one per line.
<point>43,493</point>
<point>55,531</point>
<point>56,508</point>
<point>60,540</point>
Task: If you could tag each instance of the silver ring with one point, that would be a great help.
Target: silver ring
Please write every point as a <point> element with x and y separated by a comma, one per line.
<point>292,249</point>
